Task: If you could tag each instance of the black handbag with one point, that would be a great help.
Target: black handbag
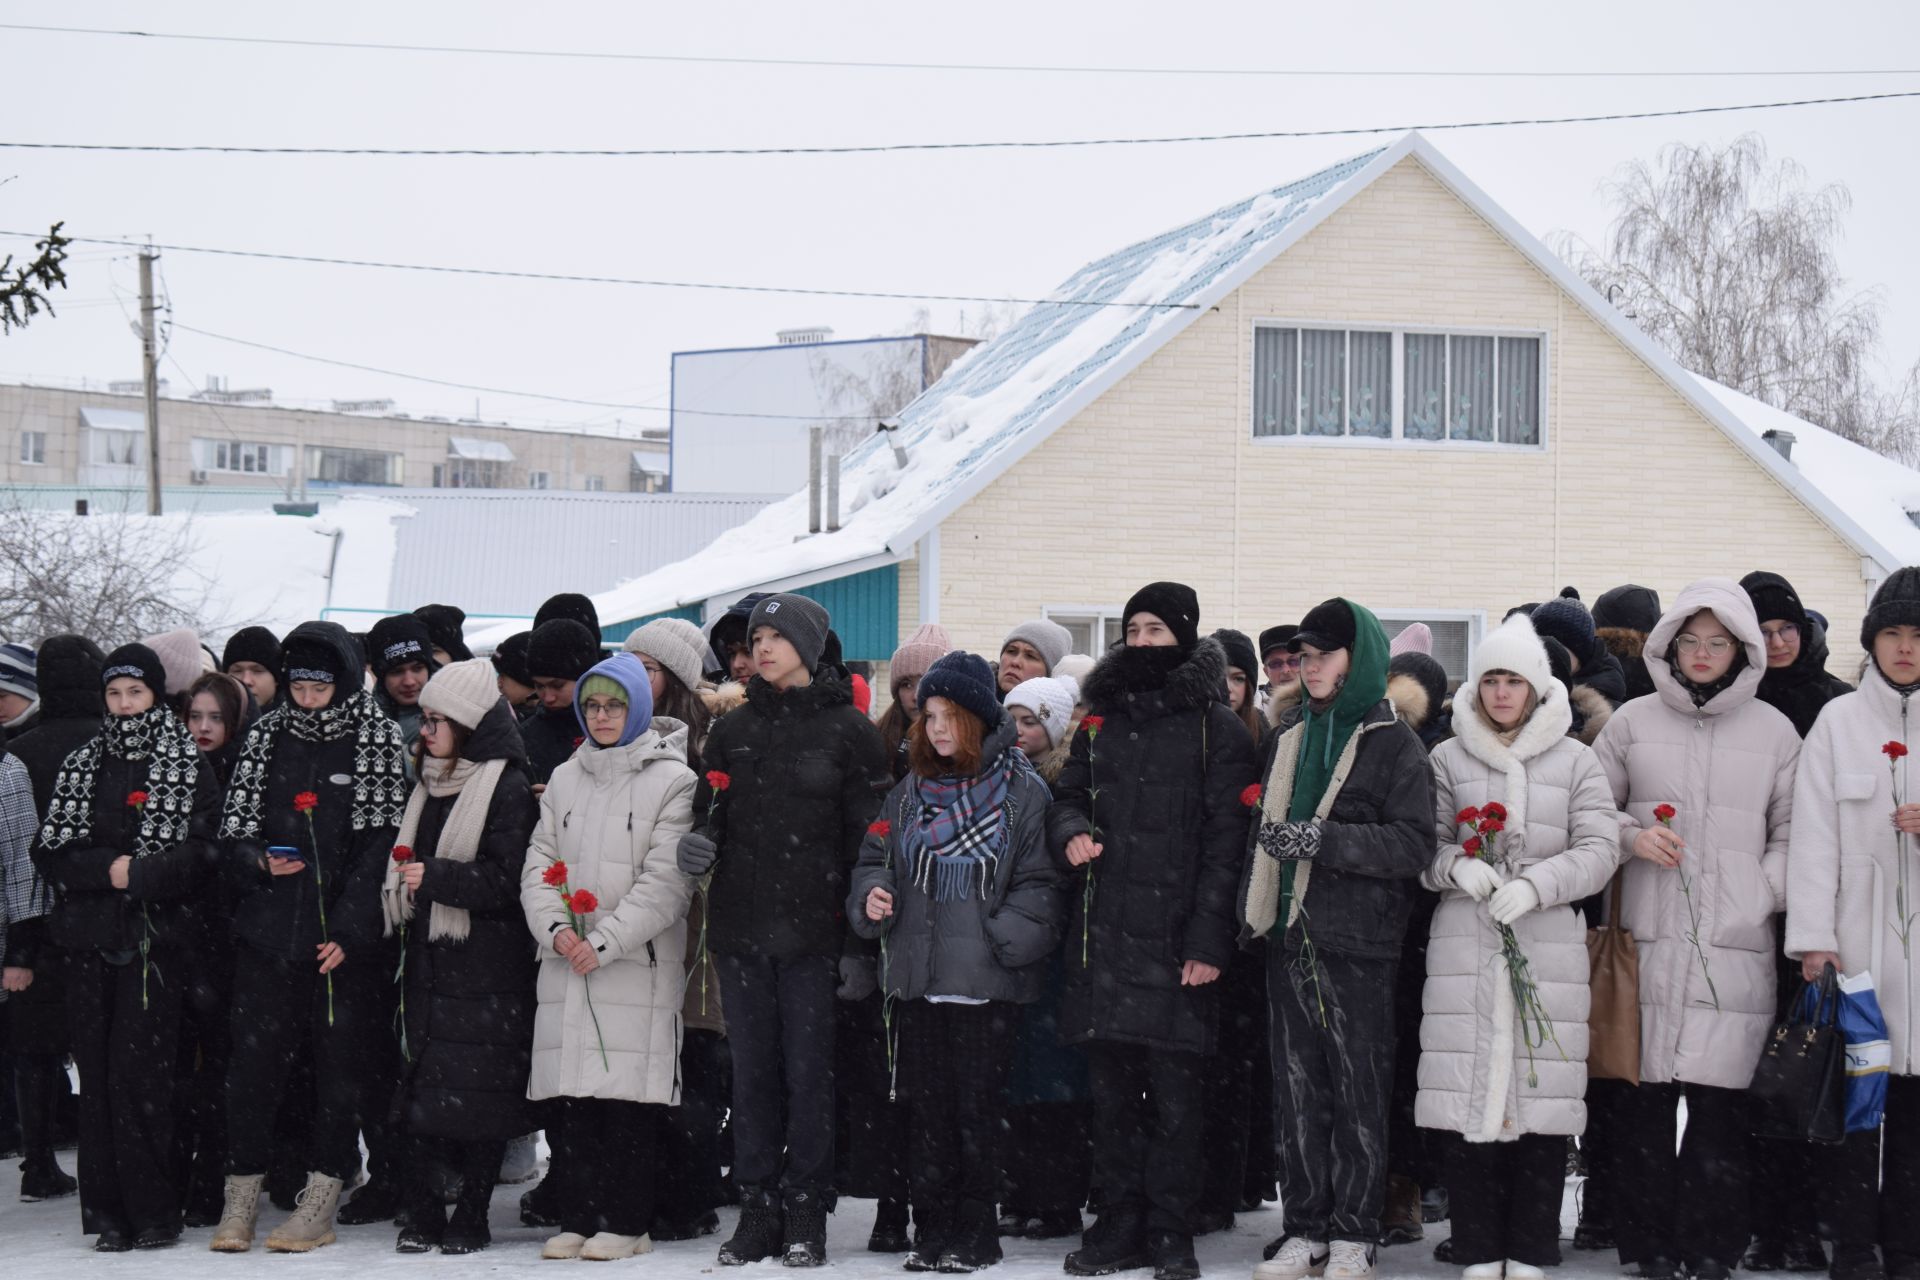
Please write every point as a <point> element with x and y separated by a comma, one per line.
<point>1799,1088</point>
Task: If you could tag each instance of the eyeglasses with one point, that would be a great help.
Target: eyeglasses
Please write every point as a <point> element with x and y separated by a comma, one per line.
<point>1783,632</point>
<point>432,724</point>
<point>1719,646</point>
<point>653,668</point>
<point>604,710</point>
<point>1283,662</point>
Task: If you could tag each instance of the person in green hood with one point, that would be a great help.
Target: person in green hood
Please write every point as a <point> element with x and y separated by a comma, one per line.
<point>1342,829</point>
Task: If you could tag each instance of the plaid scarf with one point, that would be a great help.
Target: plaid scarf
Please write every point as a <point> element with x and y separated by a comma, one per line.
<point>379,763</point>
<point>956,830</point>
<point>173,768</point>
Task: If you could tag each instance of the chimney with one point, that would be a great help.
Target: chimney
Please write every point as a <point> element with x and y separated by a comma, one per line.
<point>833,493</point>
<point>1782,442</point>
<point>816,439</point>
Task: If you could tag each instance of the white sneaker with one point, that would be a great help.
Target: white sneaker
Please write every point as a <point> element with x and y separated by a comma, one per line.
<point>1524,1271</point>
<point>1349,1260</point>
<point>608,1247</point>
<point>1484,1271</point>
<point>1296,1259</point>
<point>566,1245</point>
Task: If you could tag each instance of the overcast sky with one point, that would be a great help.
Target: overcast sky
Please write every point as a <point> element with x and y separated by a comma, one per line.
<point>1001,223</point>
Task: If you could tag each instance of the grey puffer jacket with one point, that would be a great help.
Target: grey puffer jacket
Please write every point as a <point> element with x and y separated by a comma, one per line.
<point>1727,768</point>
<point>1477,1076</point>
<point>990,947</point>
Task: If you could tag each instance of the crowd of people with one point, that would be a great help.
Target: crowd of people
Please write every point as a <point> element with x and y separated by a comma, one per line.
<point>1048,945</point>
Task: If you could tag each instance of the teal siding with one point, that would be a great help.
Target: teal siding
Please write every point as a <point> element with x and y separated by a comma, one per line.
<point>865,608</point>
<point>615,632</point>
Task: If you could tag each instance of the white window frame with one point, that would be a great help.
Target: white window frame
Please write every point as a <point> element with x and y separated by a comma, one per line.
<point>1476,619</point>
<point>1104,620</point>
<point>1398,440</point>
<point>538,479</point>
<point>596,484</point>
<point>33,448</point>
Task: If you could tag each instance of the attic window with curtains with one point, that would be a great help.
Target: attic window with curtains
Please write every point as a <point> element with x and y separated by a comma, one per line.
<point>1395,385</point>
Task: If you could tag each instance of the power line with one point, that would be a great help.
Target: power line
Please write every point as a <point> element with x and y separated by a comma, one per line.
<point>597,55</point>
<point>881,148</point>
<point>622,280</point>
<point>527,395</point>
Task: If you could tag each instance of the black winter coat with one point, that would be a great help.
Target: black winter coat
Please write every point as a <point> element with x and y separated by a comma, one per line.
<point>1603,673</point>
<point>89,914</point>
<point>1800,690</point>
<point>71,711</point>
<point>1374,843</point>
<point>807,773</point>
<point>1159,787</point>
<point>281,914</point>
<point>470,1004</point>
<point>550,738</point>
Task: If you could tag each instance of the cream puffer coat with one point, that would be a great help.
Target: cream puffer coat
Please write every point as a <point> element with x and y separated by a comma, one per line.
<point>615,817</point>
<point>1844,871</point>
<point>1727,768</point>
<point>1477,1077</point>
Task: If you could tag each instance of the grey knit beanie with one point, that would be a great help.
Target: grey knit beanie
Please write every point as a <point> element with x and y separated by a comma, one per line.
<point>674,643</point>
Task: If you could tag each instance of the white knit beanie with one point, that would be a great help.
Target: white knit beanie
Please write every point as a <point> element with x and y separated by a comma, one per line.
<point>675,644</point>
<point>462,692</point>
<point>1074,666</point>
<point>1514,646</point>
<point>1051,702</point>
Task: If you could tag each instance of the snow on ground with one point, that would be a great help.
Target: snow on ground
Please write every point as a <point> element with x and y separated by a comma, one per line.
<point>42,1241</point>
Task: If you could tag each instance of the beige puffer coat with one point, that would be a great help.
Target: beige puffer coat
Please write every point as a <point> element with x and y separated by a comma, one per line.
<point>1563,837</point>
<point>1844,871</point>
<point>615,817</point>
<point>1728,769</point>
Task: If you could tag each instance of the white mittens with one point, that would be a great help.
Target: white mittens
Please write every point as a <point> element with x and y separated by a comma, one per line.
<point>1475,878</point>
<point>1514,900</point>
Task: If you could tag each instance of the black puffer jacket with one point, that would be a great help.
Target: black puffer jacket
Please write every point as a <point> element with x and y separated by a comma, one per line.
<point>1800,690</point>
<point>807,773</point>
<point>89,914</point>
<point>550,738</point>
<point>1160,787</point>
<point>70,712</point>
<point>470,1004</point>
<point>281,914</point>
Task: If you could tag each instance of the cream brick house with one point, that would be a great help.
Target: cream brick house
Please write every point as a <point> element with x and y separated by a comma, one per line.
<point>1370,382</point>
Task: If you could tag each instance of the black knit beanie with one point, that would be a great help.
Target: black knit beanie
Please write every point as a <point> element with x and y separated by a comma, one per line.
<point>510,659</point>
<point>446,624</point>
<point>1174,603</point>
<point>569,604</point>
<point>251,644</point>
<point>1895,604</point>
<point>1240,654</point>
<point>398,640</point>
<point>561,650</point>
<point>140,662</point>
<point>305,659</point>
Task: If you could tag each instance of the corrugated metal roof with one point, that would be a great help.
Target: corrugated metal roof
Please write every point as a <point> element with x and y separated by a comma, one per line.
<point>478,450</point>
<point>503,552</point>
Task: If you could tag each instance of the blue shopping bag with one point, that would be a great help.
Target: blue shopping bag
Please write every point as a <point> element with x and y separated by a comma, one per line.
<point>1863,1028</point>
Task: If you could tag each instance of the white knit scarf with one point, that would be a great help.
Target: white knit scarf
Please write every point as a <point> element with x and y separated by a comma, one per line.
<point>473,782</point>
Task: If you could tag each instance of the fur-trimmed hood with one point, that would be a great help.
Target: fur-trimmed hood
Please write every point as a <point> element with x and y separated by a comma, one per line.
<point>1282,700</point>
<point>1130,679</point>
<point>1593,710</point>
<point>1410,700</point>
<point>1622,643</point>
<point>719,701</point>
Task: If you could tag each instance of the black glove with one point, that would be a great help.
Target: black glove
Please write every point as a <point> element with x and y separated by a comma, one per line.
<point>696,855</point>
<point>859,978</point>
<point>1290,841</point>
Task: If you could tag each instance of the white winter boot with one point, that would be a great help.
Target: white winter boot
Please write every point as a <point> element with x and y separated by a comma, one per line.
<point>608,1247</point>
<point>311,1224</point>
<point>1295,1259</point>
<point>235,1232</point>
<point>1524,1271</point>
<point>1484,1271</point>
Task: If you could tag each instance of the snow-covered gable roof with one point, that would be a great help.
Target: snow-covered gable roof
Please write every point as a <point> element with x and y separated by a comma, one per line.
<point>1879,493</point>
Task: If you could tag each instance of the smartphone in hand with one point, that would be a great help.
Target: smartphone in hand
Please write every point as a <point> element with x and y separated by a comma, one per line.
<point>290,853</point>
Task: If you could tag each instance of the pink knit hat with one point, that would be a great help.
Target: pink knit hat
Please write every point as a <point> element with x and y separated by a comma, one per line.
<point>180,653</point>
<point>921,650</point>
<point>1415,637</point>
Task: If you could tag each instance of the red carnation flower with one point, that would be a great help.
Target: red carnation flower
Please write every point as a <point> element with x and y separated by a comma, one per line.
<point>135,799</point>
<point>402,853</point>
<point>583,902</point>
<point>719,780</point>
<point>1895,750</point>
<point>578,741</point>
<point>1472,846</point>
<point>1492,826</point>
<point>881,828</point>
<point>1467,816</point>
<point>1093,725</point>
<point>1664,812</point>
<point>1251,796</point>
<point>555,874</point>
<point>306,802</point>
<point>1496,811</point>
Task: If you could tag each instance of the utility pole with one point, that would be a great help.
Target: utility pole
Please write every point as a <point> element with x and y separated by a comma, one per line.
<point>150,369</point>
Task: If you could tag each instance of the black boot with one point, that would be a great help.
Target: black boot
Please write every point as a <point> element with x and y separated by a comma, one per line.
<point>757,1236</point>
<point>1117,1241</point>
<point>805,1229</point>
<point>889,1233</point>
<point>35,1086</point>
<point>1804,1253</point>
<point>467,1230</point>
<point>932,1228</point>
<point>1766,1253</point>
<point>704,1224</point>
<point>975,1242</point>
<point>45,1180</point>
<point>537,1207</point>
<point>1172,1255</point>
<point>1054,1224</point>
<point>1857,1263</point>
<point>377,1201</point>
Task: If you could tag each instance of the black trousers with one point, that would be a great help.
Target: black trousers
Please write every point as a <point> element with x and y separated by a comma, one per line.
<point>1690,1207</point>
<point>476,1163</point>
<point>871,1122</point>
<point>1506,1199</point>
<point>1149,1120</point>
<point>780,1021</point>
<point>608,1151</point>
<point>124,1046</point>
<point>1229,1126</point>
<point>1333,1045</point>
<point>200,1095</point>
<point>279,1005</point>
<point>1870,1184</point>
<point>1407,1148</point>
<point>690,1132</point>
<point>1608,1103</point>
<point>955,1061</point>
<point>1045,1158</point>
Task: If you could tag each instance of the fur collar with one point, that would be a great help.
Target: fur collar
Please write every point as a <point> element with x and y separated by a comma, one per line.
<point>1410,701</point>
<point>724,699</point>
<point>1592,704</point>
<point>1116,682</point>
<point>1623,644</point>
<point>1550,722</point>
<point>1283,700</point>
